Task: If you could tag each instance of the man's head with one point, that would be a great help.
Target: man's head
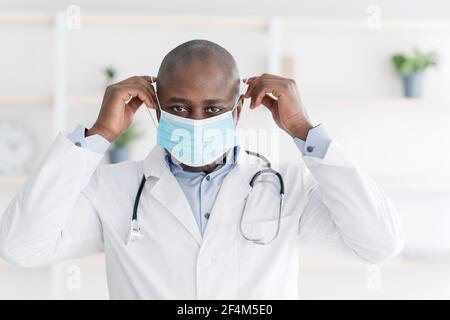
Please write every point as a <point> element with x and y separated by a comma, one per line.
<point>197,80</point>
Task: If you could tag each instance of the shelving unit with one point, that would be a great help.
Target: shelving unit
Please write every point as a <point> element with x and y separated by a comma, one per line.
<point>59,99</point>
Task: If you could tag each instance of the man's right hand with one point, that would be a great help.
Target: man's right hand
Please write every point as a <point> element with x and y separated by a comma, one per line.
<point>120,102</point>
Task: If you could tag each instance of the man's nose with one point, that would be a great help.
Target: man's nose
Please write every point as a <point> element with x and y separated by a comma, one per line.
<point>197,114</point>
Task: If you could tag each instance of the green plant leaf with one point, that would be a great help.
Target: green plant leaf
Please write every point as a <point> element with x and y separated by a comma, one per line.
<point>127,137</point>
<point>407,65</point>
<point>110,72</point>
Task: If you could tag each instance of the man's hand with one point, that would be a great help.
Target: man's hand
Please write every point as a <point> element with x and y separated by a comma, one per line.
<point>287,109</point>
<point>120,102</point>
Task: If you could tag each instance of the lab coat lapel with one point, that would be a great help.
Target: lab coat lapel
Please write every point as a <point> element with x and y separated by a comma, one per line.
<point>168,192</point>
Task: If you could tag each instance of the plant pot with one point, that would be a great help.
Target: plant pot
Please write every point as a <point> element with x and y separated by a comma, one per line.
<point>412,85</point>
<point>117,155</point>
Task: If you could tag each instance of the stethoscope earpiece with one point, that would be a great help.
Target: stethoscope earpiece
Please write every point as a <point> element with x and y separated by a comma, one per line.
<point>153,84</point>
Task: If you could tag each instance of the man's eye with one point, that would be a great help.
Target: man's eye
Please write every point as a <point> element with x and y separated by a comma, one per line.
<point>179,109</point>
<point>213,109</point>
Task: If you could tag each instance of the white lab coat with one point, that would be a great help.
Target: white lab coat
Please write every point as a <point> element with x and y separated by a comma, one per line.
<point>71,206</point>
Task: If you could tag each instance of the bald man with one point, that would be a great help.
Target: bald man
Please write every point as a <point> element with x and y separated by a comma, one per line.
<point>206,222</point>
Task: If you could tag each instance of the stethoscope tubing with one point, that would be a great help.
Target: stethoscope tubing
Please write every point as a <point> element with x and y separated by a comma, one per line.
<point>134,223</point>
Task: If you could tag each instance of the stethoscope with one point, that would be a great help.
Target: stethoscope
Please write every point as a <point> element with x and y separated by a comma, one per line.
<point>136,233</point>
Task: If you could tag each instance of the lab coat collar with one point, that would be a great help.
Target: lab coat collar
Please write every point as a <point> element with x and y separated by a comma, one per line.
<point>154,163</point>
<point>168,192</point>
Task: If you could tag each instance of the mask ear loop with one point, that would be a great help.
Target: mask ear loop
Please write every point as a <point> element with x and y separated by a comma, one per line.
<point>242,90</point>
<point>153,83</point>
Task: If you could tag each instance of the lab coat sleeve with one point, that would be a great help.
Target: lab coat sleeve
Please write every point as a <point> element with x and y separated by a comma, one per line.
<point>346,213</point>
<point>53,217</point>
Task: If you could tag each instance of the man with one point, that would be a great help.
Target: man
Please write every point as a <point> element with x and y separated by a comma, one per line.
<point>192,240</point>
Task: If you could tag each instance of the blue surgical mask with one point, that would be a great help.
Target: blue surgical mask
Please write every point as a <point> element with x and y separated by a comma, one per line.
<point>197,142</point>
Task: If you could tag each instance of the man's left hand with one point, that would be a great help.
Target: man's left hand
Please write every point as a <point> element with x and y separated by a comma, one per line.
<point>287,109</point>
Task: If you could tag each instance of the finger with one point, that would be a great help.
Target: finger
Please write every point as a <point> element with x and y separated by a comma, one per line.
<point>251,82</point>
<point>250,86</point>
<point>134,104</point>
<point>143,80</point>
<point>150,78</point>
<point>254,81</point>
<point>150,91</point>
<point>262,76</point>
<point>257,100</point>
<point>260,87</point>
<point>272,86</point>
<point>271,76</point>
<point>250,79</point>
<point>146,82</point>
<point>269,102</point>
<point>137,91</point>
<point>129,80</point>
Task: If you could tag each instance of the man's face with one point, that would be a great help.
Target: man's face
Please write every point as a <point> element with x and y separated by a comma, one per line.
<point>198,90</point>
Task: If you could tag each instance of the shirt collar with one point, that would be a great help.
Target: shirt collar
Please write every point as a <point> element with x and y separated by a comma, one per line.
<point>230,162</point>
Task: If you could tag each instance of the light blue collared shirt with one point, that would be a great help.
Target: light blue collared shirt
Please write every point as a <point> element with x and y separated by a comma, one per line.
<point>316,144</point>
<point>201,189</point>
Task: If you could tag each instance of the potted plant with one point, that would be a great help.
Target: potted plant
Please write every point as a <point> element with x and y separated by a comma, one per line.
<point>110,74</point>
<point>120,148</point>
<point>411,68</point>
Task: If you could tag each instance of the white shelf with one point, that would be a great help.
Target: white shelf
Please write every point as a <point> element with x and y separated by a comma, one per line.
<point>239,22</point>
<point>415,183</point>
<point>26,18</point>
<point>25,99</point>
<point>315,261</point>
<point>87,100</point>
<point>406,103</point>
<point>46,100</point>
<point>96,99</point>
<point>7,179</point>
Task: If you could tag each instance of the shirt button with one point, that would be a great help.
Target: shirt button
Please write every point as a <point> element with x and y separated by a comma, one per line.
<point>207,215</point>
<point>207,178</point>
<point>78,144</point>
<point>310,148</point>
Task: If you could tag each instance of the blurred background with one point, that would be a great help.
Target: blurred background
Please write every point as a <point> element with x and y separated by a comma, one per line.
<point>376,74</point>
